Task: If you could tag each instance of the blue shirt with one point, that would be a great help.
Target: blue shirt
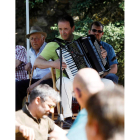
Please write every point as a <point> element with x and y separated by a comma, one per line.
<point>110,53</point>
<point>38,73</point>
<point>77,130</point>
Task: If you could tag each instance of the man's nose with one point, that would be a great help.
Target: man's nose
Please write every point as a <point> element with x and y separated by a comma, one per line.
<point>96,33</point>
<point>52,110</point>
<point>63,32</point>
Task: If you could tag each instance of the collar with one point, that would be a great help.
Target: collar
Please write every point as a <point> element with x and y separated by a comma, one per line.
<point>26,111</point>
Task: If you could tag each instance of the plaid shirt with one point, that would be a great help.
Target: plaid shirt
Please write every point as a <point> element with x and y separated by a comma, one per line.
<point>21,73</point>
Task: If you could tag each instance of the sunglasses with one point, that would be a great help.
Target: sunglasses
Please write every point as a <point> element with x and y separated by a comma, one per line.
<point>94,30</point>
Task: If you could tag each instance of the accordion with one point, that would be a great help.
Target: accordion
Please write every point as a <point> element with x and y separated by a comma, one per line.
<point>81,53</point>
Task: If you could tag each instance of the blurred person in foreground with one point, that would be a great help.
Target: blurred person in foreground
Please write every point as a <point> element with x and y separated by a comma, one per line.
<point>87,82</point>
<point>106,115</point>
<point>32,122</point>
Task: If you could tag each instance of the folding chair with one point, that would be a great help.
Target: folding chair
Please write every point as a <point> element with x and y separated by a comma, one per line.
<point>25,99</point>
<point>30,76</point>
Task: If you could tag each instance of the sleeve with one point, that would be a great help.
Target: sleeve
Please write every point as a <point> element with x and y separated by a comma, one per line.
<point>50,125</point>
<point>21,54</point>
<point>19,116</point>
<point>111,54</point>
<point>49,51</point>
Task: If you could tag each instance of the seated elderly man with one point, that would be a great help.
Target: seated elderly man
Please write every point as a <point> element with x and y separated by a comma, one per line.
<point>32,121</point>
<point>37,40</point>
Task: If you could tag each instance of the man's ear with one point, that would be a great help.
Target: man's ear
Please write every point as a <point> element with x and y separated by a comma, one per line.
<point>37,100</point>
<point>78,91</point>
<point>73,28</point>
<point>88,32</point>
<point>43,38</point>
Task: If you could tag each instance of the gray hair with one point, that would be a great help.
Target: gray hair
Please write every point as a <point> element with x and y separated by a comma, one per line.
<point>44,91</point>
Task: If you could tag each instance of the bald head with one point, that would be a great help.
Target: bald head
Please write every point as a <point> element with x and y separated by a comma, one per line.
<point>88,81</point>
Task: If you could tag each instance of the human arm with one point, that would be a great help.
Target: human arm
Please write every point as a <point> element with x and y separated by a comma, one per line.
<point>110,55</point>
<point>27,132</point>
<point>42,63</point>
<point>31,87</point>
<point>18,62</point>
<point>49,52</point>
<point>28,67</point>
<point>58,134</point>
<point>21,56</point>
<point>113,69</point>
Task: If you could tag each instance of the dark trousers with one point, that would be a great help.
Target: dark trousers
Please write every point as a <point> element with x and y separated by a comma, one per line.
<point>21,90</point>
<point>113,77</point>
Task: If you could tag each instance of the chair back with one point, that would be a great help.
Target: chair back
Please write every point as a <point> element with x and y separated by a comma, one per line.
<point>30,76</point>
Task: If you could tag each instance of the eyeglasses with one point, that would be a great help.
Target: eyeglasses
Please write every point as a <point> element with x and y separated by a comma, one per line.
<point>94,30</point>
<point>51,106</point>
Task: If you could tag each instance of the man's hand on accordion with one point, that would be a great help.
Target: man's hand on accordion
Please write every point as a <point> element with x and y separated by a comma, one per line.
<point>103,52</point>
<point>105,73</point>
<point>56,64</point>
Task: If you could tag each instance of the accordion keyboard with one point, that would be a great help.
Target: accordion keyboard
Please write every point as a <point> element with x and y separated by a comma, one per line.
<point>71,66</point>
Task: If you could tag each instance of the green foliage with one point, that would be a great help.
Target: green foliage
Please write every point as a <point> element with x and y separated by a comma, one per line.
<point>102,10</point>
<point>83,25</point>
<point>115,36</point>
<point>36,2</point>
<point>122,5</point>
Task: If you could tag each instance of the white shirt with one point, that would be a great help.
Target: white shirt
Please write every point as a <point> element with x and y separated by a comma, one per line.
<point>38,73</point>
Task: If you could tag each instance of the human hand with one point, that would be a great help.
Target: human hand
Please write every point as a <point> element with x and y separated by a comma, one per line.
<point>56,64</point>
<point>103,52</point>
<point>28,66</point>
<point>105,73</point>
<point>27,132</point>
<point>58,135</point>
<point>30,88</point>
